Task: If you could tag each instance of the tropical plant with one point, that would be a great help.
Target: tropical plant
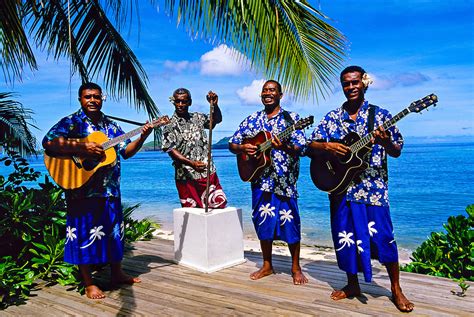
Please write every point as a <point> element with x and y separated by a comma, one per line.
<point>285,39</point>
<point>137,229</point>
<point>448,254</point>
<point>15,125</point>
<point>32,226</point>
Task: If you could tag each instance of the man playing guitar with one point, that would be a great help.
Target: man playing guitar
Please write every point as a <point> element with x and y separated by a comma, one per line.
<point>360,216</point>
<point>274,196</point>
<point>95,228</point>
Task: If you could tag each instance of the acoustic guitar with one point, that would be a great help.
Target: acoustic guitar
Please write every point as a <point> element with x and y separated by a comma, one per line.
<point>333,174</point>
<point>252,166</point>
<point>71,172</point>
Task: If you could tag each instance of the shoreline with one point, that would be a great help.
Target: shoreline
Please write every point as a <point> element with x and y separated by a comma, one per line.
<point>309,252</point>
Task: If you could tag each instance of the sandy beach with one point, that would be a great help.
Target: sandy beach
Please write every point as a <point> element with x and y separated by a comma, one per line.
<point>310,252</point>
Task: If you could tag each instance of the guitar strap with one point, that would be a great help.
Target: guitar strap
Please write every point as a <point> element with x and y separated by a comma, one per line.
<point>288,119</point>
<point>371,122</point>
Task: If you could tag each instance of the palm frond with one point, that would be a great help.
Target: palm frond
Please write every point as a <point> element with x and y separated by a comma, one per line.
<point>49,26</point>
<point>15,51</point>
<point>108,54</point>
<point>15,125</point>
<point>83,31</point>
<point>286,39</point>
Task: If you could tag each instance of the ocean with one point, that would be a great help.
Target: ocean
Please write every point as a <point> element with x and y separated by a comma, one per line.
<point>428,183</point>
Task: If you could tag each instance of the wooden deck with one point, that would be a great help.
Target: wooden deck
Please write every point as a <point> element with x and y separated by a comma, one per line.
<point>168,289</point>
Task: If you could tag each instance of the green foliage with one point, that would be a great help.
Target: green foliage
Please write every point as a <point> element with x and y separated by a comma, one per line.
<point>448,254</point>
<point>32,227</point>
<point>32,220</point>
<point>137,229</point>
<point>15,282</point>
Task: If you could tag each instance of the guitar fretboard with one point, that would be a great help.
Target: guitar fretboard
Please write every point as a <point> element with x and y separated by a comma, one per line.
<point>112,142</point>
<point>414,107</point>
<point>282,136</point>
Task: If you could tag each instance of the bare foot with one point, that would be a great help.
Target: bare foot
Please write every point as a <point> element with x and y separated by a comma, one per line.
<point>401,302</point>
<point>123,278</point>
<point>346,292</point>
<point>261,273</point>
<point>93,292</point>
<point>299,278</point>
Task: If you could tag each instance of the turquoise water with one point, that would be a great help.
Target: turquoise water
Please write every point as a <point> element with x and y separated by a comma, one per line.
<point>428,183</point>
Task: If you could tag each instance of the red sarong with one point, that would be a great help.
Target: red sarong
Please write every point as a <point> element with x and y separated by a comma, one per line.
<point>192,193</point>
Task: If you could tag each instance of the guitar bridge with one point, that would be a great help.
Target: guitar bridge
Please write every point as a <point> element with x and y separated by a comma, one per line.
<point>330,168</point>
<point>77,162</point>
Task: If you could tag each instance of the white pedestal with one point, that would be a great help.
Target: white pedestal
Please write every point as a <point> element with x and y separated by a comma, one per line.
<point>208,242</point>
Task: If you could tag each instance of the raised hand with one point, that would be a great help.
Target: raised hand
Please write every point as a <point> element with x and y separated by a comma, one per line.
<point>212,98</point>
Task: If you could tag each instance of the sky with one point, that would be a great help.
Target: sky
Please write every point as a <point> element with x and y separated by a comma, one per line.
<point>411,48</point>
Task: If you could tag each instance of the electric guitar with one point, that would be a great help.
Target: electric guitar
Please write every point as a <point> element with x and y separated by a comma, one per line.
<point>71,172</point>
<point>333,174</point>
<point>251,166</point>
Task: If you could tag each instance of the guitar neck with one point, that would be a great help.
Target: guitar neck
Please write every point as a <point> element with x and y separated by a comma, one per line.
<point>386,125</point>
<point>113,142</point>
<point>282,136</point>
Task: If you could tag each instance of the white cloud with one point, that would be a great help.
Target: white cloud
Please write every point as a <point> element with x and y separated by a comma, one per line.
<point>223,60</point>
<point>400,79</point>
<point>250,95</point>
<point>180,66</point>
<point>381,83</point>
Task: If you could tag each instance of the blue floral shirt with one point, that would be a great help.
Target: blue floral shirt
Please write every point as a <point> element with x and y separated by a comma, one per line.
<point>372,189</point>
<point>281,176</point>
<point>106,180</point>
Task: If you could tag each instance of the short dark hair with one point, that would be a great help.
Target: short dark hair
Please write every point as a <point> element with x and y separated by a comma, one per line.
<point>183,91</point>
<point>275,82</point>
<point>88,85</point>
<point>351,69</point>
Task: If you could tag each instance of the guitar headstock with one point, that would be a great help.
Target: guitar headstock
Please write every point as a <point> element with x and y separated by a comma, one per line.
<point>160,121</point>
<point>423,103</point>
<point>304,122</point>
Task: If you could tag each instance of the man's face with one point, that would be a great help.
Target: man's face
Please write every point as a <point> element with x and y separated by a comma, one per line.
<point>91,101</point>
<point>352,86</point>
<point>181,103</point>
<point>270,95</point>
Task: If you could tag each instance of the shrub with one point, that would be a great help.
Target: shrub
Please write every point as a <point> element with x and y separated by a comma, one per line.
<point>32,226</point>
<point>448,254</point>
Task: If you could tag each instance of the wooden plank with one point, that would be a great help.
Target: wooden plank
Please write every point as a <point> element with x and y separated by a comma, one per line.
<point>172,290</point>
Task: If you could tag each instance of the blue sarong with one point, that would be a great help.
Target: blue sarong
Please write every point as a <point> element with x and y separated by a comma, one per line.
<point>361,232</point>
<point>275,217</point>
<point>94,231</point>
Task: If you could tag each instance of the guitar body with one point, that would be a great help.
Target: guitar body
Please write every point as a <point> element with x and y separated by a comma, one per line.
<point>333,174</point>
<point>251,167</point>
<point>69,174</point>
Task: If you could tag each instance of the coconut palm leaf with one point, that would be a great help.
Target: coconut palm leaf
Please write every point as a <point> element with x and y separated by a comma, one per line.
<point>82,30</point>
<point>15,125</point>
<point>288,40</point>
<point>15,51</point>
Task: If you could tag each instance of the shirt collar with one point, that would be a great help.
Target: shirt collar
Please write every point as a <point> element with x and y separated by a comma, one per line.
<point>81,114</point>
<point>280,112</point>
<point>345,116</point>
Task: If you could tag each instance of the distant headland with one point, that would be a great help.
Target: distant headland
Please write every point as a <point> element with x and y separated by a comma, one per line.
<point>221,144</point>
